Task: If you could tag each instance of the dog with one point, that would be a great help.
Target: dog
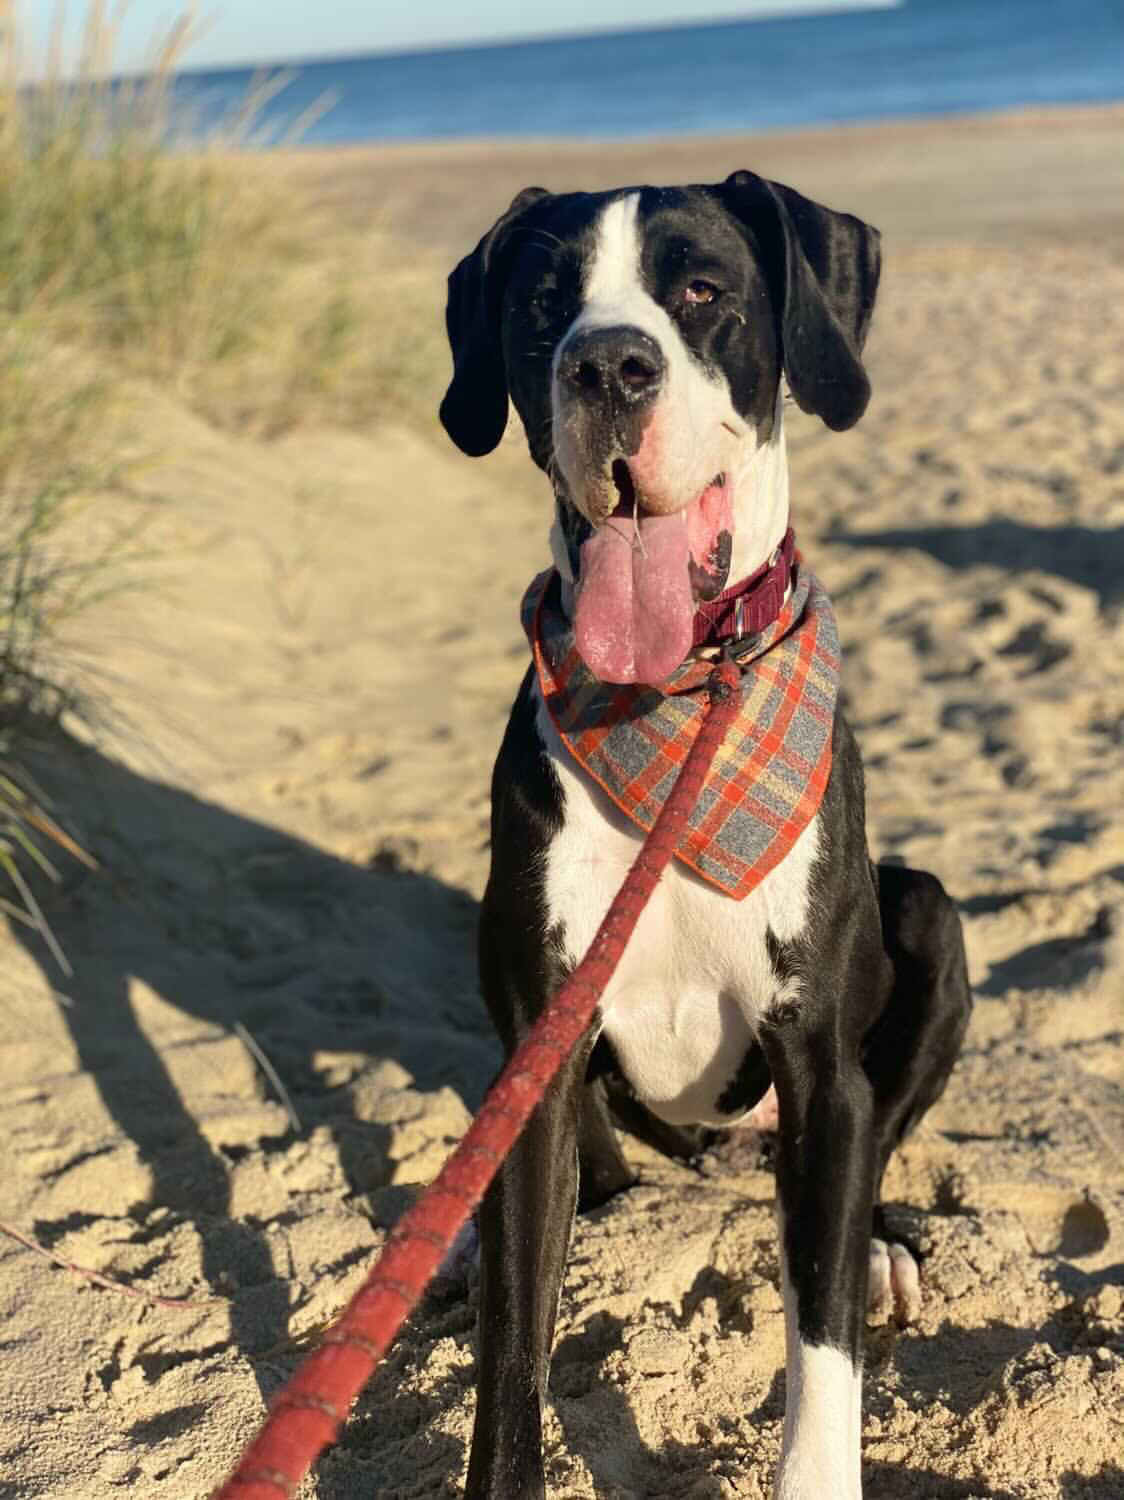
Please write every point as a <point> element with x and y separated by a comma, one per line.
<point>646,337</point>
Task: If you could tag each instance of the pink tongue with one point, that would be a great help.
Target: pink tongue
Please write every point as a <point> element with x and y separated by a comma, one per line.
<point>635,608</point>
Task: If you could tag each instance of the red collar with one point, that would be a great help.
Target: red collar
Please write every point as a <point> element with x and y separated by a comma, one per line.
<point>751,605</point>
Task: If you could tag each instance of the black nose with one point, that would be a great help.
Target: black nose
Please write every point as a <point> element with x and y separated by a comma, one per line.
<point>620,364</point>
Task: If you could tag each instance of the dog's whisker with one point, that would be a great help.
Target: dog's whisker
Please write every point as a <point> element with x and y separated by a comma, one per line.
<point>529,230</point>
<point>637,534</point>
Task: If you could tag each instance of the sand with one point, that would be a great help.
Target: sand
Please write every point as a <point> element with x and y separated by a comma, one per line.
<point>288,796</point>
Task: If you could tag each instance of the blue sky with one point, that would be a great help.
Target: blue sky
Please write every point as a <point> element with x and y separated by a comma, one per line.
<point>250,31</point>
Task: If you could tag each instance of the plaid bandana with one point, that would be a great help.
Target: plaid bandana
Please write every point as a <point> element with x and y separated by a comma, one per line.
<point>768,779</point>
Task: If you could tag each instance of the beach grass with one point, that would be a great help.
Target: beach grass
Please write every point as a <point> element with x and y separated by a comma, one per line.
<point>139,244</point>
<point>134,246</point>
<point>141,235</point>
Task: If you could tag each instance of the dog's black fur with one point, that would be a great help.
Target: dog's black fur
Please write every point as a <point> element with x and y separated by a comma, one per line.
<point>884,997</point>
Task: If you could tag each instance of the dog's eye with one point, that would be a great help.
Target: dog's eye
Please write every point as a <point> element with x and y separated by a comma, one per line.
<point>700,291</point>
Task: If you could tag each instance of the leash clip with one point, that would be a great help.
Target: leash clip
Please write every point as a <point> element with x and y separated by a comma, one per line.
<point>741,641</point>
<point>736,648</point>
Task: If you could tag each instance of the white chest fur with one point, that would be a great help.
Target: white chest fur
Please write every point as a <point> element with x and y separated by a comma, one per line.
<point>696,978</point>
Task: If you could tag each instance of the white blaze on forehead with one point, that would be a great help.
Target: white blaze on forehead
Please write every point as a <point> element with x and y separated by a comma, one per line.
<point>614,292</point>
<point>613,274</point>
<point>693,403</point>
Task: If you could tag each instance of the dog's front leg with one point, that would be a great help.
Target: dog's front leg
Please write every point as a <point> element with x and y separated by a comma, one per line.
<point>525,1224</point>
<point>825,1190</point>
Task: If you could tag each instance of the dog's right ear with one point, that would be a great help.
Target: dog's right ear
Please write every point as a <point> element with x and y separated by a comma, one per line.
<point>824,267</point>
<point>474,411</point>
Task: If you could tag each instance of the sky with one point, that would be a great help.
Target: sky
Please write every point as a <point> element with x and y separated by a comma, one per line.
<point>257,31</point>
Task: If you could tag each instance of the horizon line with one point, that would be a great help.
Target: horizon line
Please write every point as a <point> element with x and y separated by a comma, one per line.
<point>778,11</point>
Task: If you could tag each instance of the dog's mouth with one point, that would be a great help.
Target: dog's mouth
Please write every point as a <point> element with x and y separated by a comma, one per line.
<point>642,575</point>
<point>622,480</point>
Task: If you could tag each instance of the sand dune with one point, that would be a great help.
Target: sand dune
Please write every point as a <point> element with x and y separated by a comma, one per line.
<point>289,803</point>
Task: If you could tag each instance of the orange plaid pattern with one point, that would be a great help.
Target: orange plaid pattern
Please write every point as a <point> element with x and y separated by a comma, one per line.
<point>771,772</point>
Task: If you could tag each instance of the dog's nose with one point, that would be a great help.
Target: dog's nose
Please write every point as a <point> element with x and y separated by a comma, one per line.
<point>623,364</point>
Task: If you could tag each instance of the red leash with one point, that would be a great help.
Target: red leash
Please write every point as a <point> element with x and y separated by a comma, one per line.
<point>308,1412</point>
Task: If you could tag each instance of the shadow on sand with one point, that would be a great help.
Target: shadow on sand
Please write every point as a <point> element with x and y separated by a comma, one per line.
<point>1090,557</point>
<point>231,920</point>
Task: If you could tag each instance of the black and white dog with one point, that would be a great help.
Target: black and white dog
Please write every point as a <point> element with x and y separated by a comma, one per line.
<point>643,336</point>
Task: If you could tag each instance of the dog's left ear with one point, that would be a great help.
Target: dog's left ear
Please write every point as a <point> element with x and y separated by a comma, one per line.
<point>825,268</point>
<point>474,411</point>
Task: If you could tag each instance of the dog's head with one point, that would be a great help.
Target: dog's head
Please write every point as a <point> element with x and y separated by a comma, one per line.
<point>642,335</point>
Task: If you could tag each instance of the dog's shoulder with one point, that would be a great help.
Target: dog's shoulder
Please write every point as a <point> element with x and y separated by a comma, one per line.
<point>527,797</point>
<point>843,809</point>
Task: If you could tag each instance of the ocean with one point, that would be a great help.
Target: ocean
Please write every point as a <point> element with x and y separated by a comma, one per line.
<point>922,57</point>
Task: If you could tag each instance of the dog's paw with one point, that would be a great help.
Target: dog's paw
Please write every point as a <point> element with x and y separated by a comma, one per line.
<point>894,1282</point>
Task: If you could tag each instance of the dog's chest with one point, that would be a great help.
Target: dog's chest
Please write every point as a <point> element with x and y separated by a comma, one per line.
<point>682,1009</point>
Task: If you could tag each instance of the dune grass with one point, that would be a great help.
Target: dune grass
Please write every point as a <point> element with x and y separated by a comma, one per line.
<point>131,245</point>
<point>154,243</point>
<point>51,469</point>
<point>135,247</point>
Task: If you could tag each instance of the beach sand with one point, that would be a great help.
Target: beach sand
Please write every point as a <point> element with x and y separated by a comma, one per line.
<point>288,797</point>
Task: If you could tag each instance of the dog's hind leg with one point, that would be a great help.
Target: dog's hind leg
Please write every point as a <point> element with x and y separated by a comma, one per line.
<point>910,1051</point>
<point>602,1169</point>
<point>608,1102</point>
<point>685,1143</point>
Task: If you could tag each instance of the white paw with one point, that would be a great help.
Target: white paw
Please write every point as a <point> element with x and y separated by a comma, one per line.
<point>822,1424</point>
<point>825,1483</point>
<point>906,1282</point>
<point>878,1282</point>
<point>893,1280</point>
